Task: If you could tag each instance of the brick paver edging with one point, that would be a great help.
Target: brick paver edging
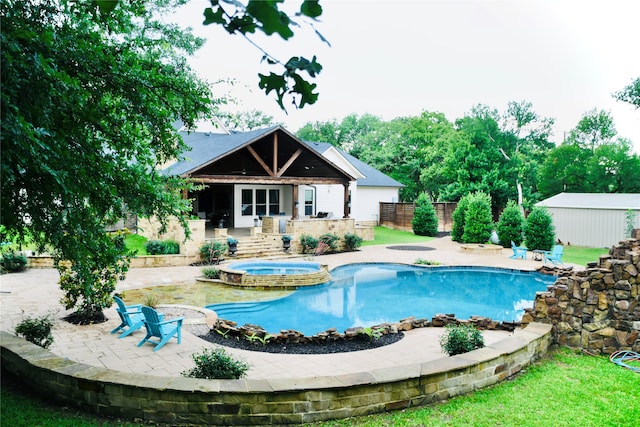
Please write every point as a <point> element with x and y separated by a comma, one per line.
<point>269,401</point>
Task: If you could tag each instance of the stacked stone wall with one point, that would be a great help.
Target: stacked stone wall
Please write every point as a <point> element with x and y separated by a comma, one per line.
<point>189,247</point>
<point>597,309</point>
<point>189,401</point>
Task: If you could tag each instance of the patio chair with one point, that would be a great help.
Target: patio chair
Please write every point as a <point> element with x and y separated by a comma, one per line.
<point>130,315</point>
<point>163,330</point>
<point>554,256</point>
<point>518,251</point>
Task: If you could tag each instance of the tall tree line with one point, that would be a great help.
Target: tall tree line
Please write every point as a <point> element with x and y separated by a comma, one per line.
<point>507,155</point>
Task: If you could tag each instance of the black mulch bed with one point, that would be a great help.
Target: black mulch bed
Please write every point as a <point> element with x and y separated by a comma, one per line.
<point>335,346</point>
<point>81,319</point>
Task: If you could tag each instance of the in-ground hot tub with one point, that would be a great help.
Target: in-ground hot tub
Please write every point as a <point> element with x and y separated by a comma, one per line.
<point>274,274</point>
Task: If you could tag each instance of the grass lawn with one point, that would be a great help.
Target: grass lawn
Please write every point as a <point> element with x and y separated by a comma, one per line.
<point>136,242</point>
<point>582,255</point>
<point>388,236</point>
<point>565,389</point>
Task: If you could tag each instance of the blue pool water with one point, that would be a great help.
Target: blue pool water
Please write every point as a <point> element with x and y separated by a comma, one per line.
<point>275,267</point>
<point>370,294</point>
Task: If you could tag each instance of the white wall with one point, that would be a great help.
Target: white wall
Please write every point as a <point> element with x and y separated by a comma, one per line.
<point>590,227</point>
<point>367,207</point>
<point>329,198</point>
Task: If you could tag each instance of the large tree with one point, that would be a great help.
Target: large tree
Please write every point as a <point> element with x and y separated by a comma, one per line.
<point>89,99</point>
<point>595,128</point>
<point>90,94</point>
<point>592,160</point>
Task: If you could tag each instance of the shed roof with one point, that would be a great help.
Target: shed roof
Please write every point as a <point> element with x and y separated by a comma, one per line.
<point>593,201</point>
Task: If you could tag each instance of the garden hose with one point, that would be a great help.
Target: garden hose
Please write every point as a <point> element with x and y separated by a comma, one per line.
<point>622,356</point>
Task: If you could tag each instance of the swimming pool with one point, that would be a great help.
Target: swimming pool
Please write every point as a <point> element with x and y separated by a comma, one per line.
<point>374,293</point>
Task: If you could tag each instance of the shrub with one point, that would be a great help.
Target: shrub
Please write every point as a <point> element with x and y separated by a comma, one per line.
<point>308,243</point>
<point>510,227</point>
<point>162,247</point>
<point>151,301</point>
<point>211,252</point>
<point>458,218</point>
<point>171,247</point>
<point>216,363</point>
<point>36,330</point>
<point>421,261</point>
<point>458,339</point>
<point>211,273</point>
<point>371,333</point>
<point>13,262</point>
<point>477,219</point>
<point>154,247</point>
<point>539,231</point>
<point>352,241</point>
<point>425,220</point>
<point>330,240</point>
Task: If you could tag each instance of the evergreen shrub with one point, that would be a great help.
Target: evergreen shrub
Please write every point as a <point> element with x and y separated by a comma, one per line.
<point>478,223</point>
<point>352,242</point>
<point>458,218</point>
<point>216,363</point>
<point>458,339</point>
<point>309,244</point>
<point>425,220</point>
<point>510,227</point>
<point>539,232</point>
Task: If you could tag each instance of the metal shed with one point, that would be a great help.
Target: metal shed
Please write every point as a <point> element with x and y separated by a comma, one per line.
<point>592,219</point>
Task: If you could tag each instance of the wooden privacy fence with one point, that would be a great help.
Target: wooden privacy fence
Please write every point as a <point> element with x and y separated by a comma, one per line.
<point>400,215</point>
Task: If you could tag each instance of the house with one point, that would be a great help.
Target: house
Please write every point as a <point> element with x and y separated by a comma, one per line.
<point>270,172</point>
<point>592,219</point>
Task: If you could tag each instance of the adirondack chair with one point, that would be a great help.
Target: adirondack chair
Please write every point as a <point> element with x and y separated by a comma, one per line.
<point>130,315</point>
<point>163,330</point>
<point>518,251</point>
<point>554,256</point>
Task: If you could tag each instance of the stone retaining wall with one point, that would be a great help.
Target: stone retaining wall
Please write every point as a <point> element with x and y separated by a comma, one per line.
<point>597,309</point>
<point>178,400</point>
<point>139,261</point>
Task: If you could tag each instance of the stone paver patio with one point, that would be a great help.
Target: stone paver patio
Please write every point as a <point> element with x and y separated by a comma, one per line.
<point>35,292</point>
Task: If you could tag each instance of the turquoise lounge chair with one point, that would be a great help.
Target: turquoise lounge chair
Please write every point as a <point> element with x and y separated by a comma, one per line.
<point>554,256</point>
<point>163,330</point>
<point>130,315</point>
<point>518,251</point>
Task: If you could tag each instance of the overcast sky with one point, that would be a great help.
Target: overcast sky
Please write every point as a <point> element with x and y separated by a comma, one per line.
<point>399,58</point>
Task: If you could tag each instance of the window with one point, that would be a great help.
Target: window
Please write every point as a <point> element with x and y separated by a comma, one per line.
<point>261,202</point>
<point>265,201</point>
<point>247,202</point>
<point>274,202</point>
<point>309,202</point>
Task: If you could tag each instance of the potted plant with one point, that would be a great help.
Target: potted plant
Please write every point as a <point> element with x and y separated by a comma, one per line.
<point>233,245</point>
<point>286,242</point>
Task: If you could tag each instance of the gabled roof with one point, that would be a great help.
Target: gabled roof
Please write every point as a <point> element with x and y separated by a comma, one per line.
<point>593,201</point>
<point>206,147</point>
<point>372,176</point>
